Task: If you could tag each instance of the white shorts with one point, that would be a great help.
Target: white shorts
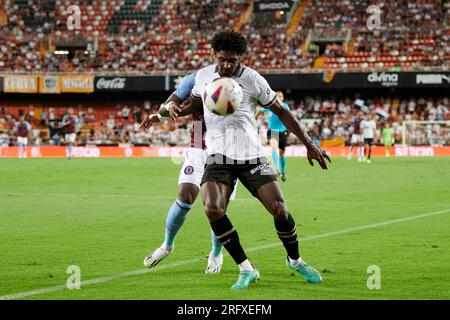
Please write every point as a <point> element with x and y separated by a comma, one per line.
<point>194,167</point>
<point>356,138</point>
<point>22,141</point>
<point>70,137</point>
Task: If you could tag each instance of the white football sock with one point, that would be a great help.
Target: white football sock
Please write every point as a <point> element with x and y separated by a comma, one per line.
<point>295,262</point>
<point>246,266</point>
<point>166,247</point>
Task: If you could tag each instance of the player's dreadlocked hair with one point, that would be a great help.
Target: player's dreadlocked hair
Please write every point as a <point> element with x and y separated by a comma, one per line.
<point>229,41</point>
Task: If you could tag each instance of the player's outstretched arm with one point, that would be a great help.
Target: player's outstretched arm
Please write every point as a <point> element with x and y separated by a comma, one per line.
<point>172,108</point>
<point>150,120</point>
<point>291,123</point>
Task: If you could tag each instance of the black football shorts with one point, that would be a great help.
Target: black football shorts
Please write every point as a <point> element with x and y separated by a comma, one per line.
<point>252,173</point>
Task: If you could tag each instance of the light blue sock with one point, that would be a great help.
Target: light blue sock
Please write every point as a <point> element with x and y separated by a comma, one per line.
<point>283,164</point>
<point>361,152</point>
<point>276,159</point>
<point>217,246</point>
<point>69,151</point>
<point>175,219</point>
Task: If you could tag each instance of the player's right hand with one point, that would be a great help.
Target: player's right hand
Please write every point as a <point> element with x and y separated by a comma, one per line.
<point>318,154</point>
<point>152,118</point>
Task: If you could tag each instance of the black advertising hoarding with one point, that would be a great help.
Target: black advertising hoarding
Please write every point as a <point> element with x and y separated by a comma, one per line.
<point>305,81</point>
<point>349,80</point>
<point>300,81</point>
<point>130,84</point>
<point>260,6</point>
<point>315,81</point>
<point>330,80</point>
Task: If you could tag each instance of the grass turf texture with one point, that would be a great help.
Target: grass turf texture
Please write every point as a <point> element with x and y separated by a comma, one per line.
<point>105,215</point>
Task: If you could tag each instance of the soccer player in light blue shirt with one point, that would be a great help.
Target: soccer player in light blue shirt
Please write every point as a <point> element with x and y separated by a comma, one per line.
<point>184,89</point>
<point>277,137</point>
<point>187,194</point>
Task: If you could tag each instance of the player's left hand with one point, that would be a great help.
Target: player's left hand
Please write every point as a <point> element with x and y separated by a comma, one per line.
<point>318,154</point>
<point>173,109</point>
<point>147,123</point>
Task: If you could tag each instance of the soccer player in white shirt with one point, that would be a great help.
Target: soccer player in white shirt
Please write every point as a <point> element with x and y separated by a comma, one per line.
<point>368,127</point>
<point>235,152</point>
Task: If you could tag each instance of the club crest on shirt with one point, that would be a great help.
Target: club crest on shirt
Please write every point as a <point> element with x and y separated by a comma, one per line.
<point>189,170</point>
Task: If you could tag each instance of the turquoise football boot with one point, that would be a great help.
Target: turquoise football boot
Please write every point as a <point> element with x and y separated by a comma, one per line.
<point>306,271</point>
<point>245,278</point>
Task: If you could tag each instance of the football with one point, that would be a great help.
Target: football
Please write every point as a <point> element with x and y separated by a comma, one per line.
<point>222,96</point>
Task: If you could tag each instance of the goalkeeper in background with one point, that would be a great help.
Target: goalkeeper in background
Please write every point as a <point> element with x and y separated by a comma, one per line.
<point>277,137</point>
<point>387,136</point>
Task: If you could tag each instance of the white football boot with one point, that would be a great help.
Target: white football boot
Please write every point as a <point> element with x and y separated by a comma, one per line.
<point>156,256</point>
<point>214,264</point>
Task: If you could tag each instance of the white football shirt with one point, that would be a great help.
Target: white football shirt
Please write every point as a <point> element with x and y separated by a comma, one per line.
<point>235,135</point>
<point>368,128</point>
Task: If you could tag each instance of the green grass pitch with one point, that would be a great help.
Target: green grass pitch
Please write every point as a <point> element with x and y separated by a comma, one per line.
<point>105,215</point>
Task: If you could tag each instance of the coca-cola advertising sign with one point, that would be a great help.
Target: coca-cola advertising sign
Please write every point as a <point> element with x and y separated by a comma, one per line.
<point>116,83</point>
<point>131,84</point>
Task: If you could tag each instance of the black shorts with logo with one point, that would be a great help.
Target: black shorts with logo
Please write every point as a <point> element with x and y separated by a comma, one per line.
<point>368,141</point>
<point>252,173</point>
<point>280,136</point>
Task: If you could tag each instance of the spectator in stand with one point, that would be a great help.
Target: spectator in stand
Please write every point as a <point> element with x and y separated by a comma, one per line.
<point>125,112</point>
<point>137,114</point>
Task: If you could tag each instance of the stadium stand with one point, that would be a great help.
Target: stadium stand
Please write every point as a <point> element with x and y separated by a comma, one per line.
<point>155,36</point>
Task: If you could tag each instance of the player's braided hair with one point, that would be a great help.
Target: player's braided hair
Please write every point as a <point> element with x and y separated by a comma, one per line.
<point>229,41</point>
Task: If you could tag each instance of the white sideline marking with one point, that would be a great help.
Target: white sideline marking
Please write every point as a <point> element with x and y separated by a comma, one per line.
<point>184,262</point>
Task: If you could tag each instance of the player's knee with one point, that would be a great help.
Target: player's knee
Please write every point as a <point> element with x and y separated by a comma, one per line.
<point>186,197</point>
<point>214,212</point>
<point>187,193</point>
<point>279,210</point>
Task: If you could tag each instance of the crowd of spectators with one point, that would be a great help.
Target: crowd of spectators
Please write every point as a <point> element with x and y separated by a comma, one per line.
<point>176,38</point>
<point>325,118</point>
